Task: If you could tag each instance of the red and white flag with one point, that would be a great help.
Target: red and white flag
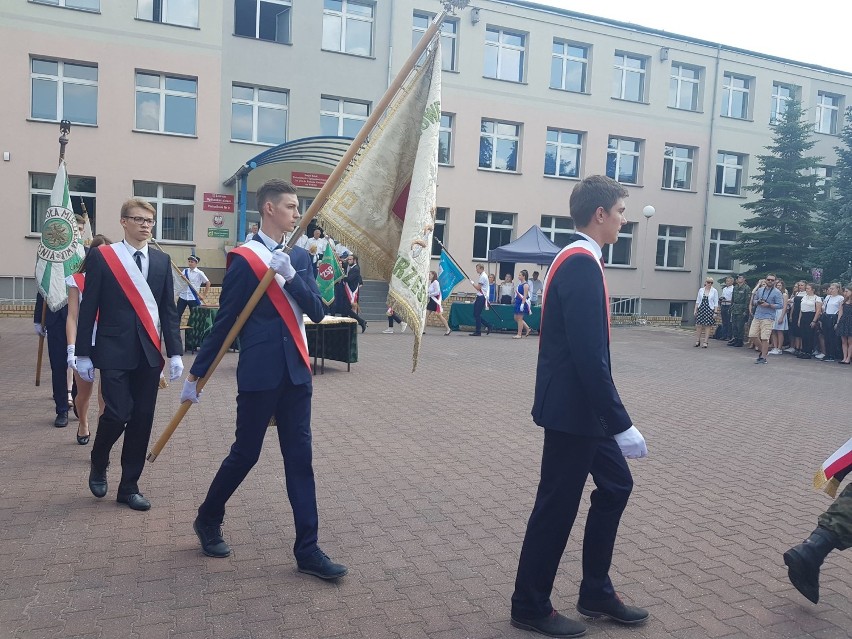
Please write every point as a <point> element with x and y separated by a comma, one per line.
<point>826,477</point>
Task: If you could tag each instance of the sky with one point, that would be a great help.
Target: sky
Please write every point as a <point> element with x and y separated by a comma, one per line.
<point>816,36</point>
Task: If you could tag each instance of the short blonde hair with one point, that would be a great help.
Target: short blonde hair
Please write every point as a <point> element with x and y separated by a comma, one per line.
<point>137,203</point>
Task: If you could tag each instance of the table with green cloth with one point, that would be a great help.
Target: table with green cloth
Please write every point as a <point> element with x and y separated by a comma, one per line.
<point>500,316</point>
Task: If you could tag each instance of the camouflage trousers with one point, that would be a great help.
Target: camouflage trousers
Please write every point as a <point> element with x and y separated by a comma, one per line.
<point>738,320</point>
<point>838,518</point>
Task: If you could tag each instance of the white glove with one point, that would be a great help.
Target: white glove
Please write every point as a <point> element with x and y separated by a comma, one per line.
<point>40,330</point>
<point>175,367</point>
<point>86,369</point>
<point>631,443</point>
<point>280,263</point>
<point>189,392</point>
<point>72,361</point>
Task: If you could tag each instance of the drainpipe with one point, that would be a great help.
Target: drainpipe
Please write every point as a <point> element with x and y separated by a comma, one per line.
<point>710,166</point>
<point>390,46</point>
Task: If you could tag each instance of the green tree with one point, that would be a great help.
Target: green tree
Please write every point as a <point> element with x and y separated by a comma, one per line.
<point>782,227</point>
<point>835,219</point>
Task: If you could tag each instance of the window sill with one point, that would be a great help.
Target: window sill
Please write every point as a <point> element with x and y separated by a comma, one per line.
<point>831,135</point>
<point>168,24</point>
<point>623,267</point>
<point>737,196</point>
<point>646,103</point>
<point>47,4</point>
<point>33,236</point>
<point>177,242</point>
<point>500,171</point>
<point>166,133</point>
<point>673,269</point>
<point>733,117</point>
<point>351,55</point>
<point>674,108</point>
<point>569,91</point>
<point>73,124</point>
<point>720,270</point>
<point>488,77</point>
<point>673,190</point>
<point>250,143</point>
<point>562,177</point>
<point>449,166</point>
<point>247,37</point>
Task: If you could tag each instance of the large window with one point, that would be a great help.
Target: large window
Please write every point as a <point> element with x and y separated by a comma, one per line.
<point>504,54</point>
<point>827,110</point>
<point>347,26</point>
<point>263,19</point>
<point>175,204</point>
<point>558,229</point>
<point>735,96</point>
<point>719,258</point>
<point>729,173</point>
<point>445,139</point>
<point>628,80</point>
<point>569,66</point>
<point>618,254</point>
<point>339,116</point>
<point>440,230</point>
<point>781,96</point>
<point>258,115</point>
<point>677,167</point>
<point>622,160</point>
<point>671,246</point>
<point>562,153</point>
<point>90,5</point>
<point>498,145</point>
<point>165,103</point>
<point>64,91</point>
<point>491,231</point>
<point>824,175</point>
<point>80,188</point>
<point>684,84</point>
<point>449,37</point>
<point>179,12</point>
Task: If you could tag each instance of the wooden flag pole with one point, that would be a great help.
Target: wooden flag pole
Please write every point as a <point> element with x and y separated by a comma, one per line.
<point>179,272</point>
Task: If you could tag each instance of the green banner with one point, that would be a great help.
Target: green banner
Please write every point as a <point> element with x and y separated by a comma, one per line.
<point>328,274</point>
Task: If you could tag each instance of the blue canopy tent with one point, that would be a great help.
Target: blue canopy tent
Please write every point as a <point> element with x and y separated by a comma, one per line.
<point>533,247</point>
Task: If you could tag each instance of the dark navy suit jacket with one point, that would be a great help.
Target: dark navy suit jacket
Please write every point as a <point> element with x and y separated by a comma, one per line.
<point>574,391</point>
<point>267,349</point>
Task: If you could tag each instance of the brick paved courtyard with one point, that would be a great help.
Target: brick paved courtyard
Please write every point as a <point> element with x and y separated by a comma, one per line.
<point>424,484</point>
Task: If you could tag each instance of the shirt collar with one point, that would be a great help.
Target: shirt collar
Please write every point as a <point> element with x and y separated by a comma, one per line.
<point>133,250</point>
<point>596,249</point>
<point>268,241</point>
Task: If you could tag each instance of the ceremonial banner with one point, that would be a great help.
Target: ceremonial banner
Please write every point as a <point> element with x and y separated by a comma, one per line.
<point>329,273</point>
<point>834,469</point>
<point>384,206</point>
<point>449,274</point>
<point>60,250</point>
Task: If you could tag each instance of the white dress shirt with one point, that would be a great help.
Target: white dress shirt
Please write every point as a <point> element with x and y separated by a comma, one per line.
<point>145,262</point>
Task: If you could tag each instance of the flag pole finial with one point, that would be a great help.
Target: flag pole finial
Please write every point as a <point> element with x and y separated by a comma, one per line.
<point>64,130</point>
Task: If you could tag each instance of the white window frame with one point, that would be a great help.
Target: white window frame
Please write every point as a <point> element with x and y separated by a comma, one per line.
<point>256,36</point>
<point>341,115</point>
<point>686,163</point>
<point>823,175</point>
<point>46,193</point>
<point>566,147</point>
<point>164,13</point>
<point>682,84</point>
<point>619,153</point>
<point>494,137</point>
<point>716,243</point>
<point>60,80</point>
<point>64,4</point>
<point>442,223</point>
<point>345,17</point>
<point>448,132</point>
<point>256,104</point>
<point>552,230</point>
<point>449,38</point>
<point>162,92</point>
<point>488,225</point>
<point>565,60</point>
<point>502,46</point>
<point>726,164</point>
<point>622,69</point>
<point>158,202</point>
<point>622,236</point>
<point>778,106</point>
<point>670,239</point>
<point>728,91</point>
<point>827,104</point>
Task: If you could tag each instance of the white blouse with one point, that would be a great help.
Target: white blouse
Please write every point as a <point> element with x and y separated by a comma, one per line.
<point>809,303</point>
<point>712,297</point>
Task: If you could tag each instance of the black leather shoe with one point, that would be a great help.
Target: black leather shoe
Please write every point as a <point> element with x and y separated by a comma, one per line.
<point>210,536</point>
<point>363,327</point>
<point>803,562</point>
<point>61,420</point>
<point>319,565</point>
<point>488,330</point>
<point>474,334</point>
<point>553,625</point>
<point>98,481</point>
<point>136,501</point>
<point>614,609</point>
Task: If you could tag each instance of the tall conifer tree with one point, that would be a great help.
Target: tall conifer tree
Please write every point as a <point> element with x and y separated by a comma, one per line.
<point>834,246</point>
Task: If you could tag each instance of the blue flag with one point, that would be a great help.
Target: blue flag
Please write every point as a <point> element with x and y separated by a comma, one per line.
<point>449,275</point>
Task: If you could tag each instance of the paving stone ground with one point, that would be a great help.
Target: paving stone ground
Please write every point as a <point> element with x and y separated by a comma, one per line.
<point>425,482</point>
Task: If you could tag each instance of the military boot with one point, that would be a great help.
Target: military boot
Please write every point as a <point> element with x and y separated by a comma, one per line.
<point>803,561</point>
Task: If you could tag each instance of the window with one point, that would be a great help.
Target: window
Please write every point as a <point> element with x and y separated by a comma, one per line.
<point>628,81</point>
<point>622,160</point>
<point>569,65</point>
<point>677,167</point>
<point>258,115</point>
<point>562,153</point>
<point>90,5</point>
<point>165,103</point>
<point>735,96</point>
<point>445,139</point>
<point>618,254</point>
<point>180,12</point>
<point>671,246</point>
<point>498,145</point>
<point>81,189</point>
<point>827,109</point>
<point>342,117</point>
<point>684,84</point>
<point>720,258</point>
<point>491,231</point>
<point>781,95</point>
<point>440,230</point>
<point>347,26</point>
<point>263,19</point>
<point>729,173</point>
<point>504,54</point>
<point>558,229</point>
<point>449,38</point>
<point>823,181</point>
<point>174,203</point>
<point>64,91</point>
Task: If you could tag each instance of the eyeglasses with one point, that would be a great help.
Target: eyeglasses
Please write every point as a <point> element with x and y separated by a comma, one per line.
<point>769,281</point>
<point>709,282</point>
<point>142,221</point>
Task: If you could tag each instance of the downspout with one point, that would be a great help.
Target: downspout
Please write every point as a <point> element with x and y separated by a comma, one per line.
<point>390,46</point>
<point>710,166</point>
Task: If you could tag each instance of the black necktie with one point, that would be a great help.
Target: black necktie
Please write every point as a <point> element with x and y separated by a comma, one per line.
<point>138,257</point>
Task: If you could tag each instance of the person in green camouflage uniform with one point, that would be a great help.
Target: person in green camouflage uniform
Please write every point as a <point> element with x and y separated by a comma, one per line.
<point>740,299</point>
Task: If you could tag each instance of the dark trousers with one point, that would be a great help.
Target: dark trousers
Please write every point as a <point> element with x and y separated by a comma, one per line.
<point>833,349</point>
<point>806,331</point>
<point>291,406</point>
<point>58,358</point>
<point>478,307</point>
<point>351,313</point>
<point>738,320</point>
<point>182,305</point>
<point>129,401</point>
<point>724,332</point>
<point>394,318</point>
<point>566,462</point>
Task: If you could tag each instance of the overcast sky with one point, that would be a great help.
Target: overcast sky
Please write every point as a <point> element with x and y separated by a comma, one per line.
<point>817,34</point>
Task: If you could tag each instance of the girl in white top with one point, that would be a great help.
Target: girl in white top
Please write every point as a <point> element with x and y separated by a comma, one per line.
<point>831,305</point>
<point>809,312</point>
<point>781,325</point>
<point>706,307</point>
<point>434,304</point>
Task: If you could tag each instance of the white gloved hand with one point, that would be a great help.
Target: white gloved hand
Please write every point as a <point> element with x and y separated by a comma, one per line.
<point>280,263</point>
<point>39,329</point>
<point>72,361</point>
<point>86,369</point>
<point>175,367</point>
<point>190,392</point>
<point>631,443</point>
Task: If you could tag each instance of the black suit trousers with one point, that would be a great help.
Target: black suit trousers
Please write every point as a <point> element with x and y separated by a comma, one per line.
<point>291,406</point>
<point>478,307</point>
<point>130,398</point>
<point>567,461</point>
<point>58,357</point>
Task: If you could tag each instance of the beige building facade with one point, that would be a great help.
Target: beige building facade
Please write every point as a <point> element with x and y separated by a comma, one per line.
<point>170,99</point>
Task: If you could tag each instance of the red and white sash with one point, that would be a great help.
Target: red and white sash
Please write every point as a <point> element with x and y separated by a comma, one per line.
<point>436,297</point>
<point>119,260</point>
<point>258,256</point>
<point>526,307</point>
<point>353,295</point>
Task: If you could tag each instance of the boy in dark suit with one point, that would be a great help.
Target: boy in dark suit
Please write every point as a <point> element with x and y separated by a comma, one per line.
<point>587,429</point>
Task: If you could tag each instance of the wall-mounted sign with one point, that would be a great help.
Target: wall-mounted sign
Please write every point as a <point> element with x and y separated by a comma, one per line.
<point>218,220</point>
<point>309,180</point>
<point>212,232</point>
<point>219,202</point>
